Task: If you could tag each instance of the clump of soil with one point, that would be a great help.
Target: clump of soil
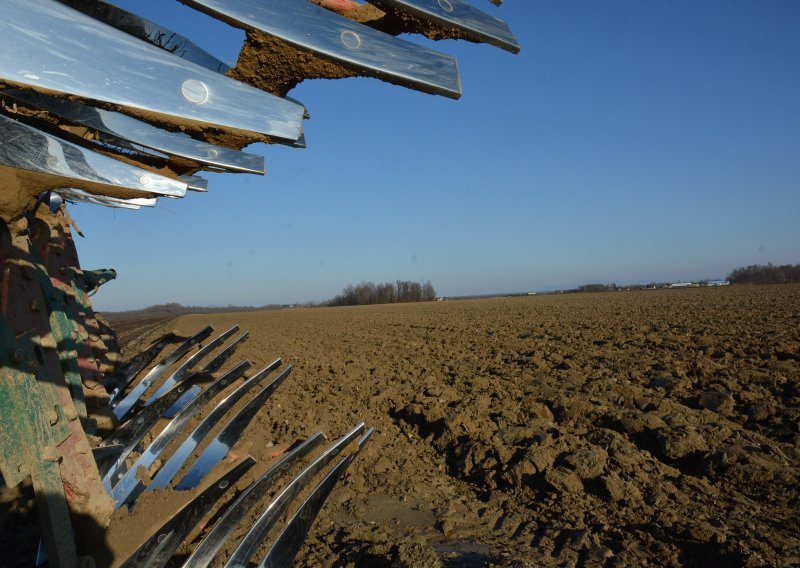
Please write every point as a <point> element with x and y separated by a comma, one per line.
<point>275,66</point>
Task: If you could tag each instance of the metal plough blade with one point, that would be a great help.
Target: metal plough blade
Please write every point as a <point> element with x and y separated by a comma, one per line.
<point>157,551</point>
<point>119,381</point>
<point>91,200</point>
<point>152,32</point>
<point>105,456</point>
<point>108,65</point>
<point>80,196</point>
<point>122,408</point>
<point>174,464</point>
<point>141,133</point>
<point>211,367</point>
<point>30,154</point>
<point>213,541</point>
<point>288,543</point>
<point>219,360</point>
<point>470,22</point>
<point>253,539</point>
<point>358,47</point>
<point>229,435</point>
<point>129,487</point>
<point>195,183</point>
<point>129,435</point>
<point>181,372</point>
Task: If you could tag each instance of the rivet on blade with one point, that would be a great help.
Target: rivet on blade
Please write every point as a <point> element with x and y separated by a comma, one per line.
<point>194,91</point>
<point>350,39</point>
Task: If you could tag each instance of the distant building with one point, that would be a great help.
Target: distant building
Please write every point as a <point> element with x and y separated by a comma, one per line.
<point>719,283</point>
<point>681,285</point>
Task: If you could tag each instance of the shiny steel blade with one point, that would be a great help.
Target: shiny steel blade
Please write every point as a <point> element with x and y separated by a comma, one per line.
<point>181,373</point>
<point>53,163</point>
<point>152,32</point>
<point>82,197</point>
<point>211,367</point>
<point>105,456</point>
<point>471,22</point>
<point>195,183</point>
<point>130,434</point>
<point>306,114</point>
<point>229,435</point>
<point>217,362</point>
<point>129,488</point>
<point>134,131</point>
<point>253,539</point>
<point>122,408</point>
<point>300,142</point>
<point>288,543</point>
<point>90,199</point>
<point>157,551</point>
<point>354,45</point>
<point>213,541</point>
<point>66,51</point>
<point>119,381</point>
<point>182,401</point>
<point>174,464</point>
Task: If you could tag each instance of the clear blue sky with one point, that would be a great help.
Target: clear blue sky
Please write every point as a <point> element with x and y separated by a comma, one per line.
<point>630,141</point>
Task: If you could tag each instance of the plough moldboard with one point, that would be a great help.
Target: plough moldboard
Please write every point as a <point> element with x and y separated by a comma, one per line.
<point>99,105</point>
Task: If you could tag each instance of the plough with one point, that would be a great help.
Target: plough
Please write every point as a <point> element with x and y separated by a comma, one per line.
<point>99,105</point>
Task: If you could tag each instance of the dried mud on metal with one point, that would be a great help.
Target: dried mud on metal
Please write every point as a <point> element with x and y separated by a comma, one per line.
<point>621,429</point>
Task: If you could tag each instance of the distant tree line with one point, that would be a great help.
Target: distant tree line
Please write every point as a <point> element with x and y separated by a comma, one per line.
<point>765,274</point>
<point>597,288</point>
<point>386,293</point>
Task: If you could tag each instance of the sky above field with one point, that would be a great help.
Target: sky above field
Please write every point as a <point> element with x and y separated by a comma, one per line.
<point>630,141</point>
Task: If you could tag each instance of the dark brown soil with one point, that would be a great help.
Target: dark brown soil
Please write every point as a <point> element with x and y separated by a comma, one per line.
<point>620,429</point>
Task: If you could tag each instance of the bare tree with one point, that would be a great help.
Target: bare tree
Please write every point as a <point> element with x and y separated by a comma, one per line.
<point>387,293</point>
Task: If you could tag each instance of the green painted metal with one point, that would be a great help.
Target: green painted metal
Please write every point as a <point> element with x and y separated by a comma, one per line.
<point>93,279</point>
<point>63,326</point>
<point>40,434</point>
<point>31,417</point>
<point>33,422</point>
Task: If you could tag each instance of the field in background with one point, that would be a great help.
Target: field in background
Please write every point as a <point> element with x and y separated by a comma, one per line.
<point>616,429</point>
